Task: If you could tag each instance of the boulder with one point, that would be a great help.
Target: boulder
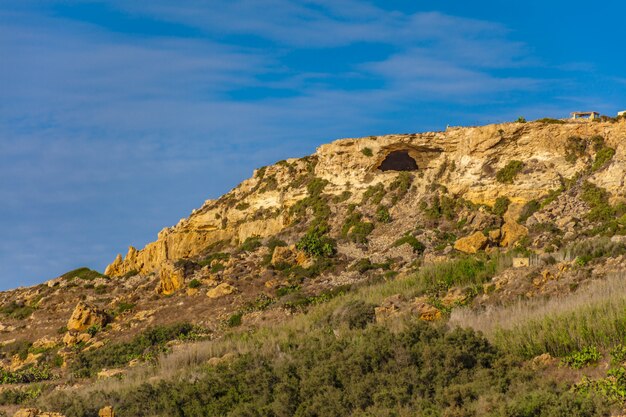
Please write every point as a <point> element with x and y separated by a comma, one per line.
<point>290,255</point>
<point>221,290</point>
<point>85,316</point>
<point>171,279</point>
<point>511,233</point>
<point>106,412</point>
<point>73,337</point>
<point>26,412</point>
<point>472,243</point>
<point>424,310</point>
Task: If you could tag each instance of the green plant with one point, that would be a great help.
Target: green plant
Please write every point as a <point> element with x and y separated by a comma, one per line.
<point>82,273</point>
<point>382,214</point>
<point>530,208</point>
<point>549,120</point>
<point>251,244</point>
<point>501,206</point>
<point>194,283</point>
<point>418,247</point>
<point>520,119</point>
<point>585,356</point>
<point>602,157</point>
<point>18,311</point>
<point>575,147</point>
<point>367,152</point>
<point>218,256</point>
<point>235,320</point>
<point>242,206</point>
<point>356,314</point>
<point>375,193</point>
<point>94,330</point>
<point>123,306</point>
<point>507,174</point>
<point>314,243</point>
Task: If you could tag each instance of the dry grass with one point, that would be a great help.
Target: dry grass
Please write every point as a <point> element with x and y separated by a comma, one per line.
<point>593,316</point>
<point>267,340</point>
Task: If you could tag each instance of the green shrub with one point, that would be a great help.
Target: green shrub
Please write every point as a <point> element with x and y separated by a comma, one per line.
<point>235,320</point>
<point>416,370</point>
<point>82,273</point>
<point>602,157</point>
<point>123,307</point>
<point>521,119</point>
<point>501,206</point>
<point>530,208</point>
<point>242,206</point>
<point>251,244</point>
<point>375,193</point>
<point>364,265</point>
<point>25,376</point>
<point>575,147</point>
<point>146,345</point>
<point>382,214</point>
<point>549,120</point>
<point>220,256</point>
<point>418,247</point>
<point>314,243</point>
<point>581,358</point>
<point>400,186</point>
<point>507,174</point>
<point>17,311</point>
<point>367,152</point>
<point>194,283</point>
<point>94,330</point>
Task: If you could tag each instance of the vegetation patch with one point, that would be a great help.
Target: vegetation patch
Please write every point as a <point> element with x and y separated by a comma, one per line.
<point>501,206</point>
<point>367,152</point>
<point>508,174</point>
<point>83,273</point>
<point>412,241</point>
<point>146,346</point>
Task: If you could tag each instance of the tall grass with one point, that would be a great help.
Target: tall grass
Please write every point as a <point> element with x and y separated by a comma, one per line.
<point>593,316</point>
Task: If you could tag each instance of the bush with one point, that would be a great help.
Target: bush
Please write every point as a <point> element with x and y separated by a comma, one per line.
<point>501,206</point>
<point>530,208</point>
<point>603,156</point>
<point>242,206</point>
<point>82,273</point>
<point>581,358</point>
<point>418,247</point>
<point>194,283</point>
<point>575,147</point>
<point>235,320</point>
<point>314,243</point>
<point>251,244</point>
<point>417,370</point>
<point>356,230</point>
<point>382,215</point>
<point>550,120</point>
<point>146,345</point>
<point>507,174</point>
<point>17,311</point>
<point>367,152</point>
<point>521,119</point>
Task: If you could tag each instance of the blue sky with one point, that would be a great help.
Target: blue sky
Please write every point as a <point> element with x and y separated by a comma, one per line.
<point>118,117</point>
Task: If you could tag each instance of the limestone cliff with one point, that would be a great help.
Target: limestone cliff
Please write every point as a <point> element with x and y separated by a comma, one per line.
<point>463,160</point>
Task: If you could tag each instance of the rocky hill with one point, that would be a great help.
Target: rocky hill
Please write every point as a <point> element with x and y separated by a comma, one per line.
<point>439,227</point>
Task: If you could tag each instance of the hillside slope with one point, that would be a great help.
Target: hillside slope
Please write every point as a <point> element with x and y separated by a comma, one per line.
<point>367,239</point>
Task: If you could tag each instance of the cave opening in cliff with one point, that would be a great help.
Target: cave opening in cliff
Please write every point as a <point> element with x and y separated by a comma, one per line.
<point>398,161</point>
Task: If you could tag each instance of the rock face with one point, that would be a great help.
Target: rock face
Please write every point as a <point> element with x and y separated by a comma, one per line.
<point>85,316</point>
<point>472,243</point>
<point>260,205</point>
<point>171,279</point>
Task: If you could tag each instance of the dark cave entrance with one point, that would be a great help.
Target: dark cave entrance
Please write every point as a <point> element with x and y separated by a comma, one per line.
<point>398,161</point>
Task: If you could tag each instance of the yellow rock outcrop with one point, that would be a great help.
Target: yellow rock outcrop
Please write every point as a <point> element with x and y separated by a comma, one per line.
<point>85,316</point>
<point>477,153</point>
<point>472,243</point>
